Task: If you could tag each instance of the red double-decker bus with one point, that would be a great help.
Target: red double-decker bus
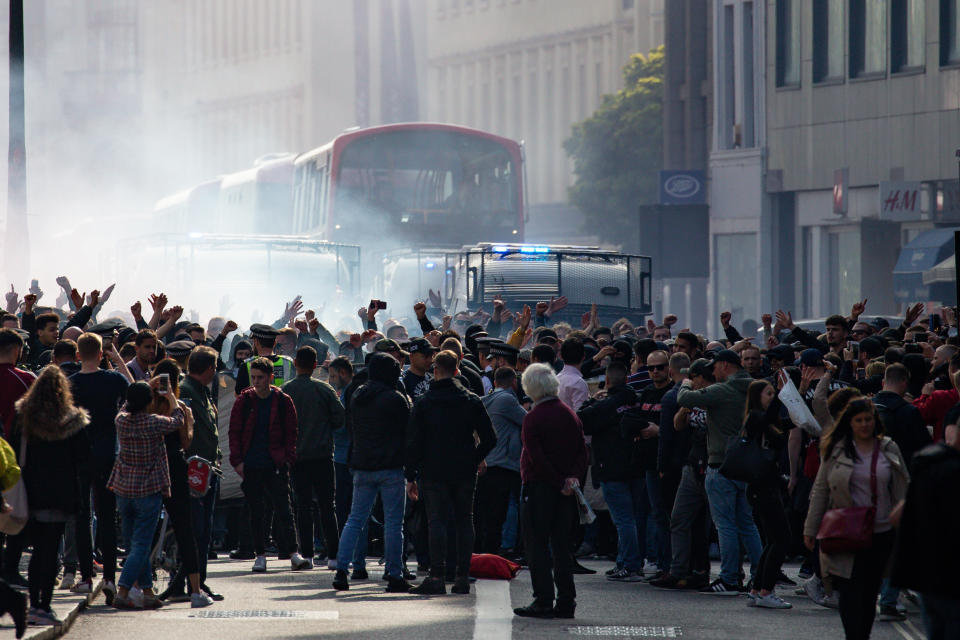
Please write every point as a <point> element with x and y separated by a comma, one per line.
<point>411,185</point>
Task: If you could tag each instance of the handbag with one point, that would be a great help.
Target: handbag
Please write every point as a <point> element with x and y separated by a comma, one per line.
<point>849,529</point>
<point>14,521</point>
<point>747,460</point>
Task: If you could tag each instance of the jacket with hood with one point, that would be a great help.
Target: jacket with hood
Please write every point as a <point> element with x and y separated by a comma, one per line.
<point>724,403</point>
<point>58,454</point>
<point>283,427</point>
<point>378,418</point>
<point>902,422</point>
<point>612,453</point>
<point>930,527</point>
<point>440,438</point>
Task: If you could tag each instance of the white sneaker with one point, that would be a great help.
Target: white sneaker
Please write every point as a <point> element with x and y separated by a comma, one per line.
<point>299,563</point>
<point>200,600</point>
<point>260,564</point>
<point>84,586</point>
<point>69,579</point>
<point>814,590</point>
<point>831,601</point>
<point>136,596</point>
<point>332,564</point>
<point>771,601</point>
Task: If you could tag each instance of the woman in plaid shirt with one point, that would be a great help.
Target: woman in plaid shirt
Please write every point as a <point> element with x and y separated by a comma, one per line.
<point>141,478</point>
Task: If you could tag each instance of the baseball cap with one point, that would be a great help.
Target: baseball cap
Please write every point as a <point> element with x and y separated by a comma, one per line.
<point>783,352</point>
<point>699,367</point>
<point>811,358</point>
<point>420,345</point>
<point>386,345</point>
<point>726,355</point>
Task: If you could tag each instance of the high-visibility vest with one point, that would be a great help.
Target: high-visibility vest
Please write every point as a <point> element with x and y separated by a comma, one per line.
<point>283,369</point>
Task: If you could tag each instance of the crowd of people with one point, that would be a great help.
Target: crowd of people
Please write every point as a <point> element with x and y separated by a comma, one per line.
<point>485,433</point>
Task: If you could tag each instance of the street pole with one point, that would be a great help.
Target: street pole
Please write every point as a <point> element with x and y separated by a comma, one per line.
<point>16,246</point>
<point>956,244</point>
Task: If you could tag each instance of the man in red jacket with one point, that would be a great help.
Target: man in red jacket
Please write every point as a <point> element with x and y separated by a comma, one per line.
<point>934,403</point>
<point>263,445</point>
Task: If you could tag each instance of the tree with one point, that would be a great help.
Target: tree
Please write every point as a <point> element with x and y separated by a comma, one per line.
<point>617,152</point>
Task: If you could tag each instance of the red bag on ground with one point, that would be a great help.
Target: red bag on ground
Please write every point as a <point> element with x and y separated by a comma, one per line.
<point>493,567</point>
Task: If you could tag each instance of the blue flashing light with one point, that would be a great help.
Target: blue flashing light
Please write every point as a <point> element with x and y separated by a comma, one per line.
<point>534,249</point>
<point>429,266</point>
<point>499,248</point>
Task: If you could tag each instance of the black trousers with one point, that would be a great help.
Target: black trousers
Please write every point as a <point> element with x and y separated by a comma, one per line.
<point>776,534</point>
<point>315,479</point>
<point>42,571</point>
<point>273,485</point>
<point>493,499</point>
<point>441,498</point>
<point>545,519</point>
<point>858,593</point>
<point>178,509</point>
<point>105,506</point>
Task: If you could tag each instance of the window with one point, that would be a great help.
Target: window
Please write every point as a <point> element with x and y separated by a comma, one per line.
<point>728,80</point>
<point>906,35</point>
<point>748,98</point>
<point>868,41</point>
<point>827,40</point>
<point>788,42</point>
<point>844,268</point>
<point>949,32</point>
<point>736,273</point>
<point>627,5</point>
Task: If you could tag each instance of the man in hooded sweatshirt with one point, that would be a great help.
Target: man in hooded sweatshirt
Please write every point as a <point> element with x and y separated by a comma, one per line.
<point>378,427</point>
<point>450,434</point>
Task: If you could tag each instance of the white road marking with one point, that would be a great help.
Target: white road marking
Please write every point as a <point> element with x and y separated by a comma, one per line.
<point>494,617</point>
<point>899,627</point>
<point>248,614</point>
<point>916,632</point>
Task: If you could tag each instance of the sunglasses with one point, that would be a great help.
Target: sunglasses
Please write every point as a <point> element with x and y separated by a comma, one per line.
<point>656,367</point>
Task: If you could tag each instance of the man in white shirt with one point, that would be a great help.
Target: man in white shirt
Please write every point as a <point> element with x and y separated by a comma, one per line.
<point>573,388</point>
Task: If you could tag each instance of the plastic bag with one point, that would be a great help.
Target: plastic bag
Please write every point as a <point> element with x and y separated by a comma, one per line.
<point>586,513</point>
<point>800,414</point>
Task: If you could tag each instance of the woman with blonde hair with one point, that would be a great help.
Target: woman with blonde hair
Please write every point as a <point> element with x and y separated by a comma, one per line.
<point>860,468</point>
<point>57,449</point>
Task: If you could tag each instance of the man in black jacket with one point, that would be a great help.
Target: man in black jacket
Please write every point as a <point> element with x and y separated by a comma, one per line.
<point>621,482</point>
<point>442,451</point>
<point>378,424</point>
<point>927,558</point>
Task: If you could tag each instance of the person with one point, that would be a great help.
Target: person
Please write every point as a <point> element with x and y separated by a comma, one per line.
<point>501,480</point>
<point>761,424</point>
<point>264,340</point>
<point>614,468</point>
<point>195,393</point>
<point>341,377</point>
<point>724,403</point>
<point>416,379</point>
<point>101,392</point>
<point>448,437</point>
<point>641,430</point>
<point>378,414</point>
<point>263,442</point>
<point>690,523</point>
<point>141,479</point>
<point>553,459</point>
<point>319,415</point>
<point>573,388</point>
<point>14,382</point>
<point>177,504</point>
<point>852,453</point>
<point>57,452</point>
<point>146,345</point>
<point>928,533</point>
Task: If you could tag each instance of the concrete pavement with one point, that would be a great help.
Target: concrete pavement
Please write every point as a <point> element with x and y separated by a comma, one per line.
<point>284,604</point>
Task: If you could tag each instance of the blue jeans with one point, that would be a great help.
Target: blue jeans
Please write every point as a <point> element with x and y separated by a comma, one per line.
<point>941,616</point>
<point>659,517</point>
<point>889,594</point>
<point>391,486</point>
<point>508,535</point>
<point>734,519</point>
<point>624,499</point>
<point>343,499</point>
<point>142,514</point>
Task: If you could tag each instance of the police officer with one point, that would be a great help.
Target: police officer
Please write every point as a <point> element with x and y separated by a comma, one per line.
<point>264,339</point>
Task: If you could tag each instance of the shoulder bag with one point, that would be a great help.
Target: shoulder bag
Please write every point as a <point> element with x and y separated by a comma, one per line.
<point>747,460</point>
<point>14,521</point>
<point>849,529</point>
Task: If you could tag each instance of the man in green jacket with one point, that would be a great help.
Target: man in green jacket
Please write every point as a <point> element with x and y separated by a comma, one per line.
<point>195,393</point>
<point>724,403</point>
<point>319,413</point>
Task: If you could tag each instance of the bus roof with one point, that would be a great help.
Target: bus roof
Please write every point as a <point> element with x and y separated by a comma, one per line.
<point>351,135</point>
<point>276,171</point>
<point>182,197</point>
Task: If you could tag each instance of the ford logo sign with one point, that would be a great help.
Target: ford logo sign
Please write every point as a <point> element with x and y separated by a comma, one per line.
<point>681,186</point>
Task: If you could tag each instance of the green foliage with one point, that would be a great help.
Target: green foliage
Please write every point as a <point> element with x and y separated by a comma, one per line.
<point>618,151</point>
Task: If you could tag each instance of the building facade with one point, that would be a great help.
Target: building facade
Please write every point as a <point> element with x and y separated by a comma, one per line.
<point>528,70</point>
<point>831,152</point>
